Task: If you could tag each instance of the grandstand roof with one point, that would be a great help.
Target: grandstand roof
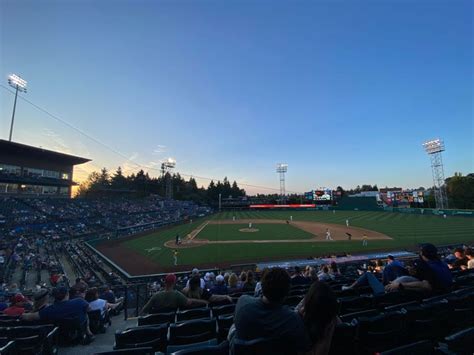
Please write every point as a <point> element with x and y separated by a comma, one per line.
<point>16,149</point>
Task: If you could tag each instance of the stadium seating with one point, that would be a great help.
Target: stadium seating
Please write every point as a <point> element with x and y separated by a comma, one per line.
<point>221,310</point>
<point>224,322</point>
<point>142,337</point>
<point>461,343</point>
<point>196,313</point>
<point>424,347</point>
<point>157,318</point>
<point>7,347</point>
<point>260,346</point>
<point>136,351</point>
<point>193,331</point>
<point>221,349</point>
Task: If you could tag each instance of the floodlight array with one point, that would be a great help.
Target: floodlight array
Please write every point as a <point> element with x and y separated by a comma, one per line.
<point>17,82</point>
<point>282,168</point>
<point>434,146</point>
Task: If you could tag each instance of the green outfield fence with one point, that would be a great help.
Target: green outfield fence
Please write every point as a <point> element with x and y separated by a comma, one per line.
<point>431,211</point>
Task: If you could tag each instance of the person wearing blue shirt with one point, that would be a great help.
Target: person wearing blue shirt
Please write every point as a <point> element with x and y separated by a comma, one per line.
<point>393,270</point>
<point>63,309</point>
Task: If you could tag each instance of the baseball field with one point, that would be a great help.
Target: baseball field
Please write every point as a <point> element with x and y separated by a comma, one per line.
<point>250,236</point>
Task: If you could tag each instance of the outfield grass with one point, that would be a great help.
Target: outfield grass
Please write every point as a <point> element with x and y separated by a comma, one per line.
<point>406,230</point>
<point>218,232</point>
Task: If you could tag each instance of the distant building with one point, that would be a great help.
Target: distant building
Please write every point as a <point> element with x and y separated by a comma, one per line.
<point>31,171</point>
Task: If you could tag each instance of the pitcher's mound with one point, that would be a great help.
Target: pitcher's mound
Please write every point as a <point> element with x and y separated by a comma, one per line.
<point>248,230</point>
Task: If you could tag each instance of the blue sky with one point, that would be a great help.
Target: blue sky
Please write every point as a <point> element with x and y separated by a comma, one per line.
<point>344,92</point>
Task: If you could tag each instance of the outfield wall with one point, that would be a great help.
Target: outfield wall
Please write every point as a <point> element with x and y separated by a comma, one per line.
<point>431,211</point>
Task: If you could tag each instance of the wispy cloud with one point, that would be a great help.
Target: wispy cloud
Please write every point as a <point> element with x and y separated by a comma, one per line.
<point>58,143</point>
<point>160,149</point>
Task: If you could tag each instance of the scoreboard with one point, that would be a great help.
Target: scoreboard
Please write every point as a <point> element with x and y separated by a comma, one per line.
<point>321,195</point>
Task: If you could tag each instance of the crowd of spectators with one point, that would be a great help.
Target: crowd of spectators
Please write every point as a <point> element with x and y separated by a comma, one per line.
<point>262,309</point>
<point>59,218</point>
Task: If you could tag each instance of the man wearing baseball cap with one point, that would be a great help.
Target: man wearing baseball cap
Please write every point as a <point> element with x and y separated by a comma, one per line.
<point>169,298</point>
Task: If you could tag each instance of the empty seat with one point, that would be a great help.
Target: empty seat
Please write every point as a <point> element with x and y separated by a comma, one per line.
<point>367,313</point>
<point>47,334</point>
<point>71,331</point>
<point>260,346</point>
<point>27,345</point>
<point>136,351</point>
<point>7,347</point>
<point>192,331</point>
<point>157,318</point>
<point>462,342</point>
<point>424,347</point>
<point>381,332</point>
<point>221,349</point>
<point>354,304</point>
<point>224,322</point>
<point>197,313</point>
<point>142,337</point>
<point>429,320</point>
<point>226,309</point>
<point>343,339</point>
<point>96,322</point>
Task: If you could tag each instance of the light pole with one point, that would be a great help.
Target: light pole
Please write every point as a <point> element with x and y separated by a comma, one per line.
<point>20,85</point>
<point>281,169</point>
<point>166,168</point>
<point>434,148</point>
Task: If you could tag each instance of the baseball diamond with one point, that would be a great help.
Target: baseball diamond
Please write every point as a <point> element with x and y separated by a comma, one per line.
<point>218,241</point>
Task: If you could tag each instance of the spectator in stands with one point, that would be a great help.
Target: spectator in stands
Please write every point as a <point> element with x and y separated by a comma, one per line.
<point>13,289</point>
<point>96,303</point>
<point>233,283</point>
<point>323,275</point>
<point>334,270</point>
<point>195,291</point>
<point>17,307</point>
<point>194,273</point>
<point>169,298</point>
<point>431,273</point>
<point>226,278</point>
<point>209,280</point>
<point>40,300</point>
<point>220,287</point>
<point>307,271</point>
<point>460,263</point>
<point>267,317</point>
<point>79,287</point>
<point>242,279</point>
<point>297,278</point>
<point>109,295</point>
<point>470,257</point>
<point>249,284</point>
<point>63,309</point>
<point>319,311</point>
<point>393,270</point>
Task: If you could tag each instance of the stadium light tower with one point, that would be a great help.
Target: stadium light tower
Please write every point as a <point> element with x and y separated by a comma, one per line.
<point>281,169</point>
<point>18,84</point>
<point>434,148</point>
<point>166,169</point>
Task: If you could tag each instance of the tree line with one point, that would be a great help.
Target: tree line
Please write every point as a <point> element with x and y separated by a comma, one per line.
<point>103,183</point>
<point>459,188</point>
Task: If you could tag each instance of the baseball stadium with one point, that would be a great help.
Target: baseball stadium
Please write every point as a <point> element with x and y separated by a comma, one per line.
<point>257,177</point>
